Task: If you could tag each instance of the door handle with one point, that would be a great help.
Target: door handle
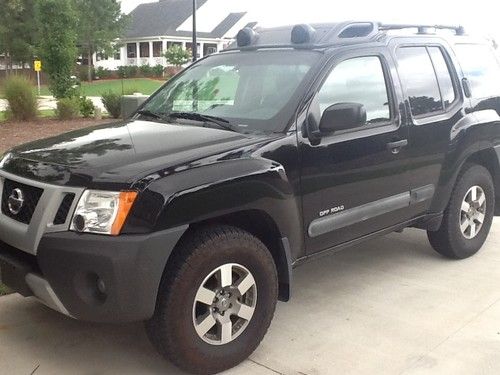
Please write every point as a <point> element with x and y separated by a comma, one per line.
<point>395,147</point>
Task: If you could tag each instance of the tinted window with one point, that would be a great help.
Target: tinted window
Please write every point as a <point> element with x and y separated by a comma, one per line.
<point>417,73</point>
<point>443,75</point>
<point>359,80</point>
<point>481,68</point>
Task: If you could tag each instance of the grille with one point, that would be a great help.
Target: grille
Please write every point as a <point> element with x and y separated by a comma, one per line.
<point>63,211</point>
<point>31,197</point>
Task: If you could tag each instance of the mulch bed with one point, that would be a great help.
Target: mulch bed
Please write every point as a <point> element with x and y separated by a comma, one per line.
<point>15,133</point>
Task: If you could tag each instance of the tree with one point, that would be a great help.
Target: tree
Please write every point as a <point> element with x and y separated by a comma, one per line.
<point>56,21</point>
<point>17,30</point>
<point>100,23</point>
<point>177,56</point>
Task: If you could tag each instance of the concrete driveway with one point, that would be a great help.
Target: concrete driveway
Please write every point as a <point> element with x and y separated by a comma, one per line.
<point>389,306</point>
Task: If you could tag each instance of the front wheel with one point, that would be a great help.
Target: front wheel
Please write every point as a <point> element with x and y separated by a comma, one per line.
<point>468,217</point>
<point>216,300</point>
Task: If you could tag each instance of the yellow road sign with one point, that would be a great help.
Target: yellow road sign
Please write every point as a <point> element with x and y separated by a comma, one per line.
<point>37,65</point>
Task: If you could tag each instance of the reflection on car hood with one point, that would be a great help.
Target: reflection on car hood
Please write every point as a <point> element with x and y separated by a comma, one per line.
<point>120,152</point>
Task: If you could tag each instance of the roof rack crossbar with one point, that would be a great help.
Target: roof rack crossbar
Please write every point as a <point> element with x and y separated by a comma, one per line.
<point>459,30</point>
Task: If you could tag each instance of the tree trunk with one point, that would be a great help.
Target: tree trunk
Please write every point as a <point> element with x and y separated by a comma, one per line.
<point>89,62</point>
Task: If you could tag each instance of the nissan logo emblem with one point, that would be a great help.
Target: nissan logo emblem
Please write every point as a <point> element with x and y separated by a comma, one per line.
<point>16,201</point>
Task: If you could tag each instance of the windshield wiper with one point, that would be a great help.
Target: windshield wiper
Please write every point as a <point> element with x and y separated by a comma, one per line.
<point>147,112</point>
<point>219,121</point>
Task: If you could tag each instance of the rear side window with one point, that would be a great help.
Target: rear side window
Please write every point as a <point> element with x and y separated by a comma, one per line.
<point>419,80</point>
<point>443,74</point>
<point>481,68</point>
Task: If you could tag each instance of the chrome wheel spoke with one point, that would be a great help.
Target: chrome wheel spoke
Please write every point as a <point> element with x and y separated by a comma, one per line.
<point>205,325</point>
<point>226,331</point>
<point>465,206</point>
<point>473,193</point>
<point>226,275</point>
<point>245,312</point>
<point>465,225</point>
<point>481,200</point>
<point>245,284</point>
<point>480,218</point>
<point>473,229</point>
<point>205,296</point>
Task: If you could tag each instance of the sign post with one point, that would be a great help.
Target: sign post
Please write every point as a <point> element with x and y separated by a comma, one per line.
<point>37,64</point>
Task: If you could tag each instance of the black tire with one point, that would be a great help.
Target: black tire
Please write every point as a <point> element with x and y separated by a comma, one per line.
<point>449,240</point>
<point>171,329</point>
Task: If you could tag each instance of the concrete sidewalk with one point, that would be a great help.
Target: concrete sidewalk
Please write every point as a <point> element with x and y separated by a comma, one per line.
<point>390,306</point>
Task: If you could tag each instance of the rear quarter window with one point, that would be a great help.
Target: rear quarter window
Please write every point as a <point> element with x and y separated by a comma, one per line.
<point>481,67</point>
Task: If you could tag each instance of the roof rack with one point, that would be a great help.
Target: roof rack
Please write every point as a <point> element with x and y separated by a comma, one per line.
<point>422,29</point>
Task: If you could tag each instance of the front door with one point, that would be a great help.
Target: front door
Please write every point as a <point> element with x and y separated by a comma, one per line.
<point>355,182</point>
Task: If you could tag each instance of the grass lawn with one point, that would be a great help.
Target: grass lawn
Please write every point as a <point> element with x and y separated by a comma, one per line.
<point>42,113</point>
<point>143,85</point>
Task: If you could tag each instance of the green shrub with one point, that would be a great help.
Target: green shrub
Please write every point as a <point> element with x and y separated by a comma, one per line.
<point>68,108</point>
<point>112,102</point>
<point>130,91</point>
<point>21,98</point>
<point>86,107</point>
<point>146,70</point>
<point>122,71</point>
<point>103,73</point>
<point>157,71</point>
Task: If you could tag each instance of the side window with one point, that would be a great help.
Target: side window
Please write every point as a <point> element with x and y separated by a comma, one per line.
<point>444,76</point>
<point>419,80</point>
<point>481,68</point>
<point>358,80</point>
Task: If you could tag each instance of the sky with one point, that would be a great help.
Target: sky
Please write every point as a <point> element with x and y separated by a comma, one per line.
<point>482,18</point>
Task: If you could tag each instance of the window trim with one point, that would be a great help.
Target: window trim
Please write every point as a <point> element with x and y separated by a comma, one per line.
<point>443,114</point>
<point>391,95</point>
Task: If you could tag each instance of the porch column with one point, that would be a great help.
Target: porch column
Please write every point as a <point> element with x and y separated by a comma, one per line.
<point>151,58</point>
<point>137,53</point>
<point>201,49</point>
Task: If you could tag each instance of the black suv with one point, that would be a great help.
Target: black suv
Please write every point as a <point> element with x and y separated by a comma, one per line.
<point>293,143</point>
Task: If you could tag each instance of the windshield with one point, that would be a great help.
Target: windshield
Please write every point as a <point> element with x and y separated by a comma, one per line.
<point>255,91</point>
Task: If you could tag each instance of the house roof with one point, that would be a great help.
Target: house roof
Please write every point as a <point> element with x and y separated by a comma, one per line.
<point>165,17</point>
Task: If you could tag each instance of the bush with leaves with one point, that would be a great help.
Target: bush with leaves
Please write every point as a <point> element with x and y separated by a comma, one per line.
<point>177,56</point>
<point>158,71</point>
<point>102,73</point>
<point>21,98</point>
<point>87,108</point>
<point>68,108</point>
<point>122,71</point>
<point>146,70</point>
<point>112,101</point>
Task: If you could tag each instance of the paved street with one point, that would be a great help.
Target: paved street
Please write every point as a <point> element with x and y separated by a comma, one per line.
<point>390,306</point>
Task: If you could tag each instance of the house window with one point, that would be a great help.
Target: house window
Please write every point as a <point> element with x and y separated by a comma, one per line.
<point>170,44</point>
<point>209,48</point>
<point>131,50</point>
<point>144,49</point>
<point>117,54</point>
<point>157,49</point>
<point>189,46</point>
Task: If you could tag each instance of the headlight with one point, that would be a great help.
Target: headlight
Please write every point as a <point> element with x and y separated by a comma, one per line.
<point>102,212</point>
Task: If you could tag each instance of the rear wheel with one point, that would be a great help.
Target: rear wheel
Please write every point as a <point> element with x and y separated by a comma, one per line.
<point>216,300</point>
<point>468,217</point>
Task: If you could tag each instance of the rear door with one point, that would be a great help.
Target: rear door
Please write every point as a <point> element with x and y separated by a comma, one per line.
<point>434,105</point>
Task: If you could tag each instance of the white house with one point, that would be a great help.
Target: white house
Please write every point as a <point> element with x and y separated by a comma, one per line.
<point>154,27</point>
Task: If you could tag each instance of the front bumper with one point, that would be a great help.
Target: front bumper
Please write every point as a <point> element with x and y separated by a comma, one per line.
<point>92,277</point>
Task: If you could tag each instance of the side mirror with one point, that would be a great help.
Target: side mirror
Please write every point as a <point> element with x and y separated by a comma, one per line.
<point>342,116</point>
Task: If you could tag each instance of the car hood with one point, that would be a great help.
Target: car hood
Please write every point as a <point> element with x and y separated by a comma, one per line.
<point>121,153</point>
